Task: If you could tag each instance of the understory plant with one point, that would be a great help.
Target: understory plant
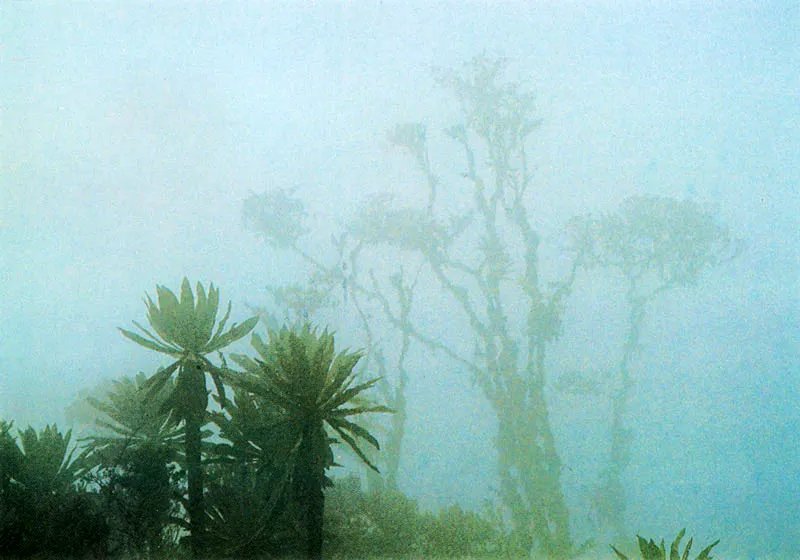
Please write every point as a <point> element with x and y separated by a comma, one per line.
<point>44,512</point>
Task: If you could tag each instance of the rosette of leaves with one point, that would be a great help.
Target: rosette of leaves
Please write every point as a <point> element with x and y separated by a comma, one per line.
<point>130,418</point>
<point>184,329</point>
<point>651,551</point>
<point>42,511</point>
<point>47,464</point>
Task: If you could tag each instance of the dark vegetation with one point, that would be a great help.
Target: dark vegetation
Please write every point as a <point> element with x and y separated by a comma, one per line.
<point>264,457</point>
<point>247,473</point>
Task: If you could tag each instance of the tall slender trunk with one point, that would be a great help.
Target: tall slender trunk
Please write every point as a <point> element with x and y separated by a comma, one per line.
<point>612,502</point>
<point>311,473</point>
<point>194,470</point>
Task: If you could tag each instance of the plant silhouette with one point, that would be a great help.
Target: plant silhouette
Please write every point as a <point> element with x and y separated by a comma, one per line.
<point>314,395</point>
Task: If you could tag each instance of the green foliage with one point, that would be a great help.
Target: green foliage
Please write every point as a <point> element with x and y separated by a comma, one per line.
<point>133,465</point>
<point>129,418</point>
<point>376,524</point>
<point>10,456</point>
<point>139,497</point>
<point>458,533</point>
<point>651,551</point>
<point>185,330</point>
<point>47,465</point>
<point>248,514</point>
<point>312,391</point>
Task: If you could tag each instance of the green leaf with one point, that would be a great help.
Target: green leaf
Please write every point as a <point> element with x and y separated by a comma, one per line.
<point>237,332</point>
<point>354,428</point>
<point>354,446</point>
<point>158,320</point>
<point>205,314</point>
<point>186,305</point>
<point>347,395</point>
<point>674,549</point>
<point>245,362</point>
<point>651,551</point>
<point>342,412</point>
<point>342,372</point>
<point>705,554</point>
<point>146,343</point>
<point>155,339</point>
<point>688,548</point>
<point>167,302</point>
<point>260,346</point>
<point>156,383</point>
<point>220,327</point>
<point>217,376</point>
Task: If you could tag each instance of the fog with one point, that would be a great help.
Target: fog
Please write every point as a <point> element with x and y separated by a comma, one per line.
<point>132,134</point>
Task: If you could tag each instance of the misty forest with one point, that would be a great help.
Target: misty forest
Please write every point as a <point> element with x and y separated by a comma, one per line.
<point>399,281</point>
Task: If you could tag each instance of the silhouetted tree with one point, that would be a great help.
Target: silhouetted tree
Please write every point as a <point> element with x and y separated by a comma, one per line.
<point>185,330</point>
<point>483,253</point>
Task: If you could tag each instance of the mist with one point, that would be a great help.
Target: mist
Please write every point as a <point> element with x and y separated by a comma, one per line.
<point>131,136</point>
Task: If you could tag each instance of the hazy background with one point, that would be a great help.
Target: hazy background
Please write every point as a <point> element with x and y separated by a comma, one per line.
<point>130,135</point>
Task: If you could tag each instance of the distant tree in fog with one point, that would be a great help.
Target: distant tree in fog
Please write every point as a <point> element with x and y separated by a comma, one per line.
<point>655,243</point>
<point>474,242</point>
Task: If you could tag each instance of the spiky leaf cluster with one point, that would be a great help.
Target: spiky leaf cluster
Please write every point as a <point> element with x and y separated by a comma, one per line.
<point>651,551</point>
<point>186,326</point>
<point>299,375</point>
<point>46,460</point>
<point>185,329</point>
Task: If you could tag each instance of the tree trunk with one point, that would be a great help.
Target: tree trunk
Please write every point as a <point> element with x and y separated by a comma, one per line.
<point>611,494</point>
<point>195,413</point>
<point>311,473</point>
